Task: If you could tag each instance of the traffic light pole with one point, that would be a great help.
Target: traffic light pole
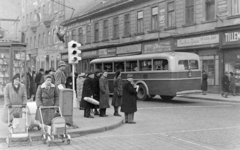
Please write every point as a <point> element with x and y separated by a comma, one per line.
<point>74,92</point>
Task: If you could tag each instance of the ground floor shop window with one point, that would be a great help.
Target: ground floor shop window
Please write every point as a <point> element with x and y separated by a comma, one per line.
<point>211,65</point>
<point>234,66</point>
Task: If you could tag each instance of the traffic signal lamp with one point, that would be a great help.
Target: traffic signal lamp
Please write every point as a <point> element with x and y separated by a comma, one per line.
<point>74,54</point>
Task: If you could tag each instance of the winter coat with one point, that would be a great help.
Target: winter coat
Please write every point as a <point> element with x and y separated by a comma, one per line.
<point>96,88</point>
<point>87,92</point>
<point>233,83</point>
<point>39,79</point>
<point>104,93</point>
<point>225,83</point>
<point>80,82</point>
<point>46,97</point>
<point>11,97</point>
<point>32,89</point>
<point>117,91</point>
<point>129,98</point>
<point>204,82</point>
<point>60,78</point>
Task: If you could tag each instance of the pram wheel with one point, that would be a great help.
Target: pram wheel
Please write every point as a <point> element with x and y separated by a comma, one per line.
<point>44,138</point>
<point>68,141</point>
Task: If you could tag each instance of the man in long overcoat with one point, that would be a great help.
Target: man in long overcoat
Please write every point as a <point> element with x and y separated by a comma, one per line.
<point>104,94</point>
<point>31,89</point>
<point>96,89</point>
<point>225,85</point>
<point>87,92</point>
<point>59,75</point>
<point>204,82</point>
<point>117,92</point>
<point>129,100</point>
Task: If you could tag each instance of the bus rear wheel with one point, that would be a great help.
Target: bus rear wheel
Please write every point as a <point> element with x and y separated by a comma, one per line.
<point>142,93</point>
<point>168,98</point>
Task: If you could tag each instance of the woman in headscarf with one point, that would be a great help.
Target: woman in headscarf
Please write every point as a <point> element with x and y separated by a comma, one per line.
<point>117,92</point>
<point>14,94</point>
<point>47,95</point>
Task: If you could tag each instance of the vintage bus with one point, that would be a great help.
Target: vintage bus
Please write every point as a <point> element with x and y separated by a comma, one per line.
<point>166,74</point>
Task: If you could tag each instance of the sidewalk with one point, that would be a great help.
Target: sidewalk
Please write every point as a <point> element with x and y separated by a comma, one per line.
<point>85,125</point>
<point>213,97</point>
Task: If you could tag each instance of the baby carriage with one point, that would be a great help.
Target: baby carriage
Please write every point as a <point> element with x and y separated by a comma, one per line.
<point>57,129</point>
<point>17,126</point>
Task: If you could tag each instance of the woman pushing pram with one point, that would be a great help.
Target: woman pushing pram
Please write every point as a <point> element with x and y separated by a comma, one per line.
<point>47,112</point>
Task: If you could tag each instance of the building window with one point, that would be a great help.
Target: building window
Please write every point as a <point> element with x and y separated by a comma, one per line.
<point>127,29</point>
<point>67,39</point>
<point>30,19</point>
<point>23,21</point>
<point>43,41</point>
<point>170,15</point>
<point>27,43</point>
<point>210,9</point>
<point>49,7</point>
<point>27,20</point>
<point>74,35</point>
<point>88,34</point>
<point>235,7</point>
<point>30,43</point>
<point>46,39</point>
<point>105,30</point>
<point>115,28</point>
<point>80,35</point>
<point>140,22</point>
<point>34,44</point>
<point>96,32</point>
<point>154,19</point>
<point>39,40</point>
<point>49,38</point>
<point>43,10</point>
<point>189,11</point>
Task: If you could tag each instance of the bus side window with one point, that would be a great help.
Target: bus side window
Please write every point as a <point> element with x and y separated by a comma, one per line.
<point>108,67</point>
<point>184,63</point>
<point>160,64</point>
<point>193,64</point>
<point>145,65</point>
<point>131,66</point>
<point>119,66</point>
<point>98,66</point>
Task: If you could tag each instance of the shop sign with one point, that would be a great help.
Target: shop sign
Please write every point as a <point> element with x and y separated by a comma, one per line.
<point>129,49</point>
<point>202,40</point>
<point>222,6</point>
<point>231,37</point>
<point>90,54</point>
<point>107,52</point>
<point>156,47</point>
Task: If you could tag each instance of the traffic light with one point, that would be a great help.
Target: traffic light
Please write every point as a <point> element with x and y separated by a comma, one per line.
<point>74,52</point>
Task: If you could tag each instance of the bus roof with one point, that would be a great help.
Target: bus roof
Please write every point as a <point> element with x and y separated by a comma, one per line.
<point>167,55</point>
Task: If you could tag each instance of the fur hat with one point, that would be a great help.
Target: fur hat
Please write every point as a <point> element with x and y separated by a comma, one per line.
<point>61,63</point>
<point>16,76</point>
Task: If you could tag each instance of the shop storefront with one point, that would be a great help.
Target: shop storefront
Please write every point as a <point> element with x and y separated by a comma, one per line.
<point>207,47</point>
<point>231,54</point>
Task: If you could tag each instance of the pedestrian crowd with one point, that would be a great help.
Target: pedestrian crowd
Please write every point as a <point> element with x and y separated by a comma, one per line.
<point>44,87</point>
<point>228,83</point>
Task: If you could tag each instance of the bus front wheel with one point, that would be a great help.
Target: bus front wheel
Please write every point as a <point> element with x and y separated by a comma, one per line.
<point>164,97</point>
<point>142,93</point>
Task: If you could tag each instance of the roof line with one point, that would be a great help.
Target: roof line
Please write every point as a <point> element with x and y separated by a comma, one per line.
<point>87,14</point>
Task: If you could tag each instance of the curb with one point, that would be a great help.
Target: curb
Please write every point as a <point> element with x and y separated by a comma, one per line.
<point>73,132</point>
<point>211,99</point>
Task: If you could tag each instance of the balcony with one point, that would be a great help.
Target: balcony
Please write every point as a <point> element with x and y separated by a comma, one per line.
<point>47,19</point>
<point>34,25</point>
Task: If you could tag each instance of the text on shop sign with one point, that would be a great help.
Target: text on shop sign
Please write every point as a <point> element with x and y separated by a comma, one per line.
<point>233,36</point>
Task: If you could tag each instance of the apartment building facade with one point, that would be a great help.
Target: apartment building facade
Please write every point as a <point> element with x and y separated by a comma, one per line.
<point>129,27</point>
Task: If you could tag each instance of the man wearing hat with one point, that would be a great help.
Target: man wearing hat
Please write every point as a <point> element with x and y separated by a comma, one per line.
<point>225,85</point>
<point>129,100</point>
<point>87,91</point>
<point>59,75</point>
